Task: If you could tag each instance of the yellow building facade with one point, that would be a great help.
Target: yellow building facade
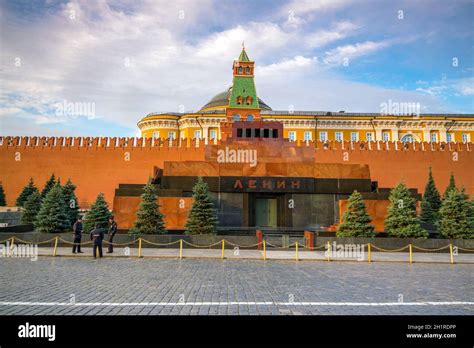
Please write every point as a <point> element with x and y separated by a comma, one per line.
<point>205,124</point>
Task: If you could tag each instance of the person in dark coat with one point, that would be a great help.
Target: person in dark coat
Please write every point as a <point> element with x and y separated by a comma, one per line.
<point>97,236</point>
<point>77,234</point>
<point>112,231</point>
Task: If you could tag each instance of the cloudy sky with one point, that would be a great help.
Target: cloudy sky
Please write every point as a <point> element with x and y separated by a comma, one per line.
<point>125,59</point>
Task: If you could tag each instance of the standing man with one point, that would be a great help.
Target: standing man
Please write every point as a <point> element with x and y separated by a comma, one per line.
<point>97,236</point>
<point>77,234</point>
<point>112,231</point>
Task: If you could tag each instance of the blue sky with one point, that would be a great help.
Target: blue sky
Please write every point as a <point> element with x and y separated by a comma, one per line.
<point>130,58</point>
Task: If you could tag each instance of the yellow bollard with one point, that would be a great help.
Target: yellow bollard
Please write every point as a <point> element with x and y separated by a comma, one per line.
<point>55,246</point>
<point>296,256</point>
<point>223,246</point>
<point>411,254</point>
<point>329,251</point>
<point>451,252</point>
<point>264,250</point>
<point>139,247</point>
<point>12,245</point>
<point>369,257</point>
<point>180,249</point>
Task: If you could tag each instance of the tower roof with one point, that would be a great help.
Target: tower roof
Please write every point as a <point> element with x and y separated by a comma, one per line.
<point>243,56</point>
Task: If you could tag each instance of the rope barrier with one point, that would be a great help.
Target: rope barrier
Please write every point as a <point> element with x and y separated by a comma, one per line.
<point>243,246</point>
<point>72,243</point>
<point>202,246</point>
<point>160,244</point>
<point>437,249</point>
<point>390,250</point>
<point>120,244</point>
<point>222,242</point>
<point>463,249</point>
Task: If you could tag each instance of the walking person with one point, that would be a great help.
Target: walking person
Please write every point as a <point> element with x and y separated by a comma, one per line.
<point>112,231</point>
<point>97,236</point>
<point>77,233</point>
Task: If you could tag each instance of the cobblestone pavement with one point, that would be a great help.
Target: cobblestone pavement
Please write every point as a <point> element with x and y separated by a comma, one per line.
<point>259,287</point>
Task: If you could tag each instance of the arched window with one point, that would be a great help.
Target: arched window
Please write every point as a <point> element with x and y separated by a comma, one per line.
<point>247,70</point>
<point>236,117</point>
<point>249,117</point>
<point>239,100</point>
<point>240,70</point>
<point>248,100</point>
<point>407,138</point>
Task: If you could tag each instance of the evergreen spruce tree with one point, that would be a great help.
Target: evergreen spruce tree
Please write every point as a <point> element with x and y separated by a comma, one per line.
<point>32,207</point>
<point>48,186</point>
<point>149,219</point>
<point>99,213</point>
<point>3,201</point>
<point>455,220</point>
<point>27,191</point>
<point>52,216</point>
<point>202,218</point>
<point>355,220</point>
<point>71,201</point>
<point>451,185</point>
<point>430,203</point>
<point>401,220</point>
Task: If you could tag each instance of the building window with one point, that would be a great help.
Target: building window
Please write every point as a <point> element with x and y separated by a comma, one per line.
<point>155,135</point>
<point>465,138</point>
<point>339,136</point>
<point>239,100</point>
<point>449,137</point>
<point>213,134</point>
<point>386,136</point>
<point>247,70</point>
<point>323,136</point>
<point>236,117</point>
<point>240,70</point>
<point>275,133</point>
<point>197,134</point>
<point>434,137</point>
<point>170,135</point>
<point>369,136</point>
<point>292,135</point>
<point>249,117</point>
<point>407,138</point>
<point>354,136</point>
<point>307,136</point>
<point>248,100</point>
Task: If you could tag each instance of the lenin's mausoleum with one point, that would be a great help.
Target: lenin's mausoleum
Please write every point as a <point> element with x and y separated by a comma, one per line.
<point>287,170</point>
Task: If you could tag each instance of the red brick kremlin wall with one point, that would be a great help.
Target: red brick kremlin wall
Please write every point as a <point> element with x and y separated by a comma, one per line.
<point>99,165</point>
<point>97,168</point>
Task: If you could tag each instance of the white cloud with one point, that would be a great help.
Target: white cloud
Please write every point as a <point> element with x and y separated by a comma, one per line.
<point>338,54</point>
<point>323,37</point>
<point>286,66</point>
<point>302,7</point>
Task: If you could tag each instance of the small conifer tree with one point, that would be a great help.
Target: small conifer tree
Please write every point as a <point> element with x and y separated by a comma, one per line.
<point>355,220</point>
<point>25,193</point>
<point>52,216</point>
<point>149,218</point>
<point>202,218</point>
<point>98,214</point>
<point>401,220</point>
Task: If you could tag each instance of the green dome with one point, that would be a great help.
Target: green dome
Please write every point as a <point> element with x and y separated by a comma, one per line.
<point>222,99</point>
